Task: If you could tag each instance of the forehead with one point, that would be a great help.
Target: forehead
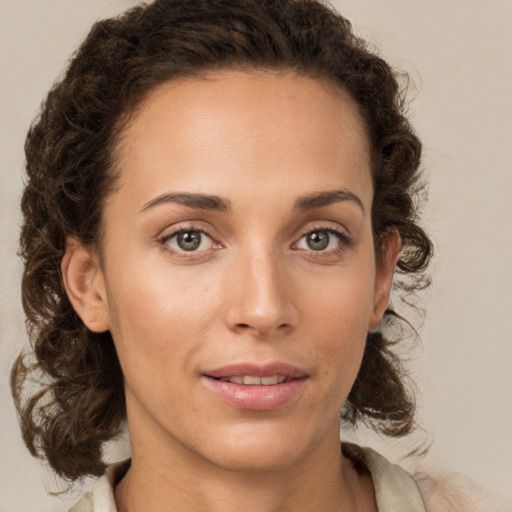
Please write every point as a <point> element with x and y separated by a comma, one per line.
<point>235,126</point>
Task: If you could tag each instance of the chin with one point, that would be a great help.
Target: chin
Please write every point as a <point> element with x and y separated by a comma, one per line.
<point>258,447</point>
<point>256,458</point>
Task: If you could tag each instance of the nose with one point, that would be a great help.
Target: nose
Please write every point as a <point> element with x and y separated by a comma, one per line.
<point>259,297</point>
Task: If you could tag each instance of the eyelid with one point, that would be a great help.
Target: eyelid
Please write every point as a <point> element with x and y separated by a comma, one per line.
<point>330,226</point>
<point>346,240</point>
<point>169,234</point>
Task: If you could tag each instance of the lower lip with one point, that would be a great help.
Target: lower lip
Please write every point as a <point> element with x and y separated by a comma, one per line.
<point>256,398</point>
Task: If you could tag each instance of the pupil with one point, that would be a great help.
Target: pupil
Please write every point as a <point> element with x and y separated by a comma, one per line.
<point>318,240</point>
<point>189,240</point>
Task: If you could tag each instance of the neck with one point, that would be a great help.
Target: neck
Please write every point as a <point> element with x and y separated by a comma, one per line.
<point>172,479</point>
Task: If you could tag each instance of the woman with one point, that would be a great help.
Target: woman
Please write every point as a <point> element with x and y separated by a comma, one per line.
<point>218,196</point>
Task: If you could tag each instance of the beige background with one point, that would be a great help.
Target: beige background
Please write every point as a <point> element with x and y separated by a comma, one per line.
<point>458,54</point>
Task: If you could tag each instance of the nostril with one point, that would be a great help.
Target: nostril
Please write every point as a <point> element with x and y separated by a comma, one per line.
<point>245,327</point>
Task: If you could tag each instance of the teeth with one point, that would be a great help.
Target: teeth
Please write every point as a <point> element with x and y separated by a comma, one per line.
<point>269,381</point>
<point>250,380</point>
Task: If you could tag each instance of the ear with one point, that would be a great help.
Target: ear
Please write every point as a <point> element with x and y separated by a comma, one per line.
<point>85,285</point>
<point>389,252</point>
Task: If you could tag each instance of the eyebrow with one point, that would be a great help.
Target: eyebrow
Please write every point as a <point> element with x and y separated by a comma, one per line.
<point>199,201</point>
<point>216,203</point>
<point>319,199</point>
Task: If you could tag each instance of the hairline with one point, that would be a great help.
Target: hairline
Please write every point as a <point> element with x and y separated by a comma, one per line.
<point>132,109</point>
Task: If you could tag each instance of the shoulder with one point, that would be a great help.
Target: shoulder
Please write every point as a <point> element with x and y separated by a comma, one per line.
<point>101,498</point>
<point>84,505</point>
<point>455,492</point>
<point>395,489</point>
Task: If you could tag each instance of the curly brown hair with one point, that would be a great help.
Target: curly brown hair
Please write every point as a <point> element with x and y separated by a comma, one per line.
<point>70,165</point>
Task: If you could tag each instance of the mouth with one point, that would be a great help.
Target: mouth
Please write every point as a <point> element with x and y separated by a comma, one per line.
<point>255,387</point>
<point>250,374</point>
<point>252,380</point>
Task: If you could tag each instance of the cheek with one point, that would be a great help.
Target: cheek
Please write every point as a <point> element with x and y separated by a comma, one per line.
<point>342,300</point>
<point>337,316</point>
<point>158,320</point>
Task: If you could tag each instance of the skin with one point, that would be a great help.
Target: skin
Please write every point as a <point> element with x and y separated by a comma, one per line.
<point>253,291</point>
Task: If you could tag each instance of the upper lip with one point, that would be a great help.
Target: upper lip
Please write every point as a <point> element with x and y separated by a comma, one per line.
<point>257,370</point>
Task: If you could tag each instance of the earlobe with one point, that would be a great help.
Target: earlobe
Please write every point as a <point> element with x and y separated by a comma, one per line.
<point>85,286</point>
<point>390,250</point>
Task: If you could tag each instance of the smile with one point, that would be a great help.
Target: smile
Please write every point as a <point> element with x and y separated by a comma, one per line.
<point>252,380</point>
<point>257,387</point>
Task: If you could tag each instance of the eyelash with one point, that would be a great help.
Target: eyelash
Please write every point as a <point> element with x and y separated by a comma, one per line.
<point>164,240</point>
<point>345,241</point>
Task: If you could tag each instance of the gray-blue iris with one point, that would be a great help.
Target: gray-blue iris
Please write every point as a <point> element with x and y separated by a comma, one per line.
<point>318,240</point>
<point>189,240</point>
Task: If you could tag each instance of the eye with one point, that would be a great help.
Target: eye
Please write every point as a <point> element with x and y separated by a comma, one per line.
<point>190,240</point>
<point>320,240</point>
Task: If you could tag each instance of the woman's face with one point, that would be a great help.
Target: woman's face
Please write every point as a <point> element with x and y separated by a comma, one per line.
<point>238,276</point>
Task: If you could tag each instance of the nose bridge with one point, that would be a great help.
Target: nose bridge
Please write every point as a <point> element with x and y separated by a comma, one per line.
<point>259,298</point>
